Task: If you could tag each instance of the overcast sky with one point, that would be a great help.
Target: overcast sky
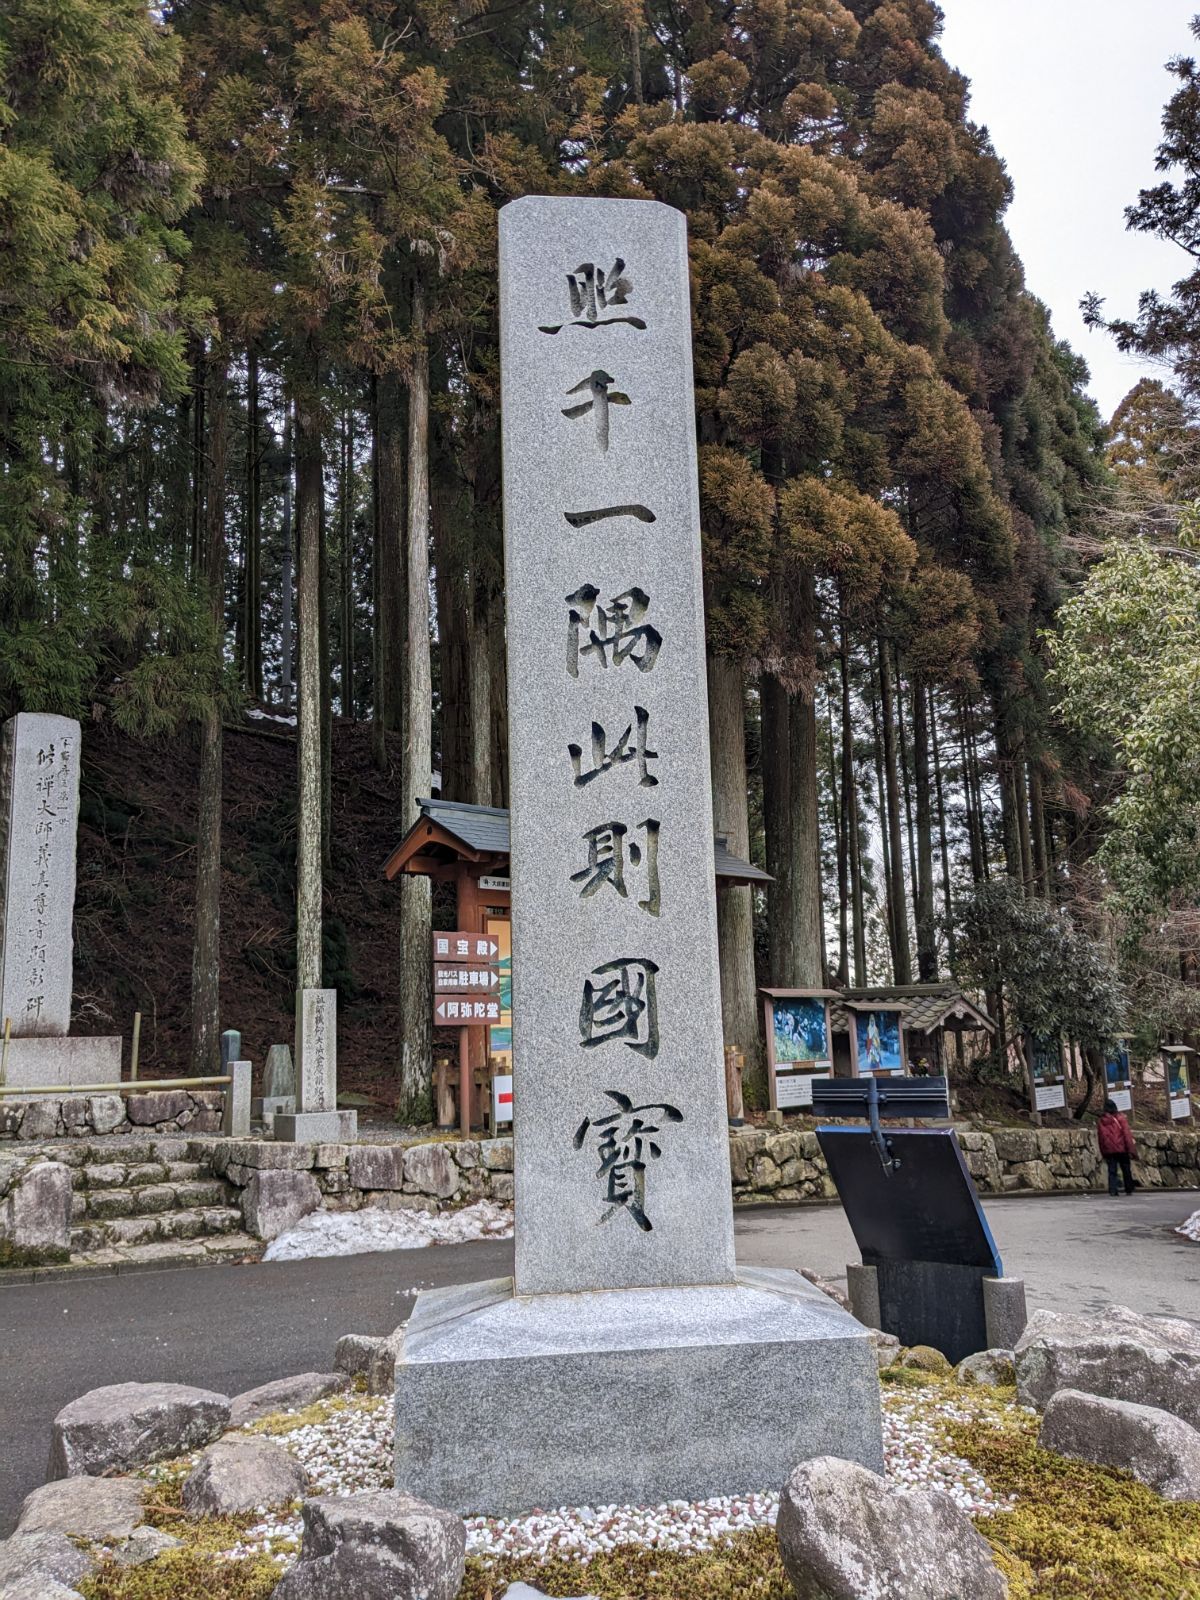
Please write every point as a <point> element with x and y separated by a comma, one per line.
<point>1072,92</point>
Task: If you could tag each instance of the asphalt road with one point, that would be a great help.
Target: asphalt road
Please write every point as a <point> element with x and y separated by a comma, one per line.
<point>230,1328</point>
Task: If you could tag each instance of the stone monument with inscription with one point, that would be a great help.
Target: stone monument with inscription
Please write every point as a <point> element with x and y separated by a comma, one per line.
<point>39,815</point>
<point>629,1359</point>
<point>317,1118</point>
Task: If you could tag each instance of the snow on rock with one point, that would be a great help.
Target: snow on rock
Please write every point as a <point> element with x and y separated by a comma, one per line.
<point>356,1233</point>
<point>1191,1228</point>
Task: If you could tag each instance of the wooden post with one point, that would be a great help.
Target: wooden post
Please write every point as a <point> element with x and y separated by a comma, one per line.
<point>443,1099</point>
<point>735,1065</point>
<point>135,1047</point>
<point>464,1082</point>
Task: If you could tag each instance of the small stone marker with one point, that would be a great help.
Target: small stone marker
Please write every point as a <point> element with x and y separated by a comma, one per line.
<point>318,1118</point>
<point>39,812</point>
<point>235,1119</point>
<point>665,1379</point>
<point>279,1075</point>
<point>231,1048</point>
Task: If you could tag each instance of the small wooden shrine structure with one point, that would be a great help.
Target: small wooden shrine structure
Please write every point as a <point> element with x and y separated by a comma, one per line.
<point>468,846</point>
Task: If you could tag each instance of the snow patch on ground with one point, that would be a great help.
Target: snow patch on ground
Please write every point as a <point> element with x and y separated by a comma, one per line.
<point>356,1233</point>
<point>270,716</point>
<point>1191,1228</point>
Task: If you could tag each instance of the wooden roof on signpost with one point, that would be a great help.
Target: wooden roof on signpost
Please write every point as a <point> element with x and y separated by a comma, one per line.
<point>449,832</point>
<point>926,1008</point>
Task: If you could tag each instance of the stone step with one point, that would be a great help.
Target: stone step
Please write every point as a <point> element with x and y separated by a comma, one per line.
<point>197,1222</point>
<point>169,1253</point>
<point>150,1199</point>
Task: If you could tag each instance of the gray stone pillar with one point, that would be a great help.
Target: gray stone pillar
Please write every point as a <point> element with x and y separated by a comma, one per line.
<point>39,815</point>
<point>862,1284</point>
<point>235,1119</point>
<point>1004,1311</point>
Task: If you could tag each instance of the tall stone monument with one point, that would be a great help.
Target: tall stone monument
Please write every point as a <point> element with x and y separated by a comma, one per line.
<point>39,814</point>
<point>629,1359</point>
<point>317,1117</point>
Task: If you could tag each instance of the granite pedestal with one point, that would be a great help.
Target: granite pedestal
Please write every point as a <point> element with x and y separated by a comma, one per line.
<point>66,1062</point>
<point>317,1127</point>
<point>628,1396</point>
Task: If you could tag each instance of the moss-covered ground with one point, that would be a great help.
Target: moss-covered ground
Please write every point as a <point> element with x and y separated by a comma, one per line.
<point>1074,1533</point>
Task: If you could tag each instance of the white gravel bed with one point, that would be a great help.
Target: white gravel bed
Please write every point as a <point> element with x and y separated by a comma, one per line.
<point>356,1233</point>
<point>1191,1228</point>
<point>351,1449</point>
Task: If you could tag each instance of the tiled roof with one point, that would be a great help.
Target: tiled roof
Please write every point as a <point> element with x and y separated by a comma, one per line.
<point>485,828</point>
<point>926,1006</point>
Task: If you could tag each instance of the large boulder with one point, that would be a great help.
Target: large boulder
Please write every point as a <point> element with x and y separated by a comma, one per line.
<point>1160,1450</point>
<point>275,1199</point>
<point>37,1587</point>
<point>35,1214</point>
<point>378,1545</point>
<point>1151,1361</point>
<point>48,1557</point>
<point>285,1394</point>
<point>126,1425</point>
<point>845,1535</point>
<point>235,1476</point>
<point>85,1508</point>
<point>987,1367</point>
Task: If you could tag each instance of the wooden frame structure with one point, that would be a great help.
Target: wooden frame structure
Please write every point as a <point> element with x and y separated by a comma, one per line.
<point>468,846</point>
<point>797,1076</point>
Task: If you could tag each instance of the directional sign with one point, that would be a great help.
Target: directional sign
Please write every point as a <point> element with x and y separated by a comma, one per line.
<point>469,949</point>
<point>449,978</point>
<point>448,1013</point>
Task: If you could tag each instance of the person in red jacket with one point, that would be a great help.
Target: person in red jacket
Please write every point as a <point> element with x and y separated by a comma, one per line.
<point>1116,1146</point>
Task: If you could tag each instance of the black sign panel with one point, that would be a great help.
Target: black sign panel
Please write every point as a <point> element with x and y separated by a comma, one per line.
<point>923,1230</point>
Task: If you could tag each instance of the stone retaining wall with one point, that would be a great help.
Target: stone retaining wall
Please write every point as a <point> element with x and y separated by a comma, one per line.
<point>165,1111</point>
<point>785,1167</point>
<point>415,1177</point>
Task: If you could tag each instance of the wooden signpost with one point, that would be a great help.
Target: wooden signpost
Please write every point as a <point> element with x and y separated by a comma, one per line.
<point>799,1044</point>
<point>463,978</point>
<point>1177,1067</point>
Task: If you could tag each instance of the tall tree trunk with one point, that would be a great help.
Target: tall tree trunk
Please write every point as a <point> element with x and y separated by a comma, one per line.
<point>1021,798</point>
<point>252,569</point>
<point>415,905</point>
<point>1006,782</point>
<point>286,630</point>
<point>974,825</point>
<point>927,955</point>
<point>840,811</point>
<point>881,813</point>
<point>309,495</point>
<point>200,475</point>
<point>326,689</point>
<point>1037,818</point>
<point>853,820</point>
<point>499,706</point>
<point>904,745</point>
<point>903,955</point>
<point>346,628</point>
<point>783,955</point>
<point>479,702</point>
<point>735,905</point>
<point>206,944</point>
<point>391,617</point>
<point>791,813</point>
<point>943,838</point>
<point>378,731</point>
<point>976,770</point>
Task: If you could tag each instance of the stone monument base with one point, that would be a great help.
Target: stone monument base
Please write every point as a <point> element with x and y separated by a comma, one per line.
<point>628,1396</point>
<point>317,1127</point>
<point>62,1061</point>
